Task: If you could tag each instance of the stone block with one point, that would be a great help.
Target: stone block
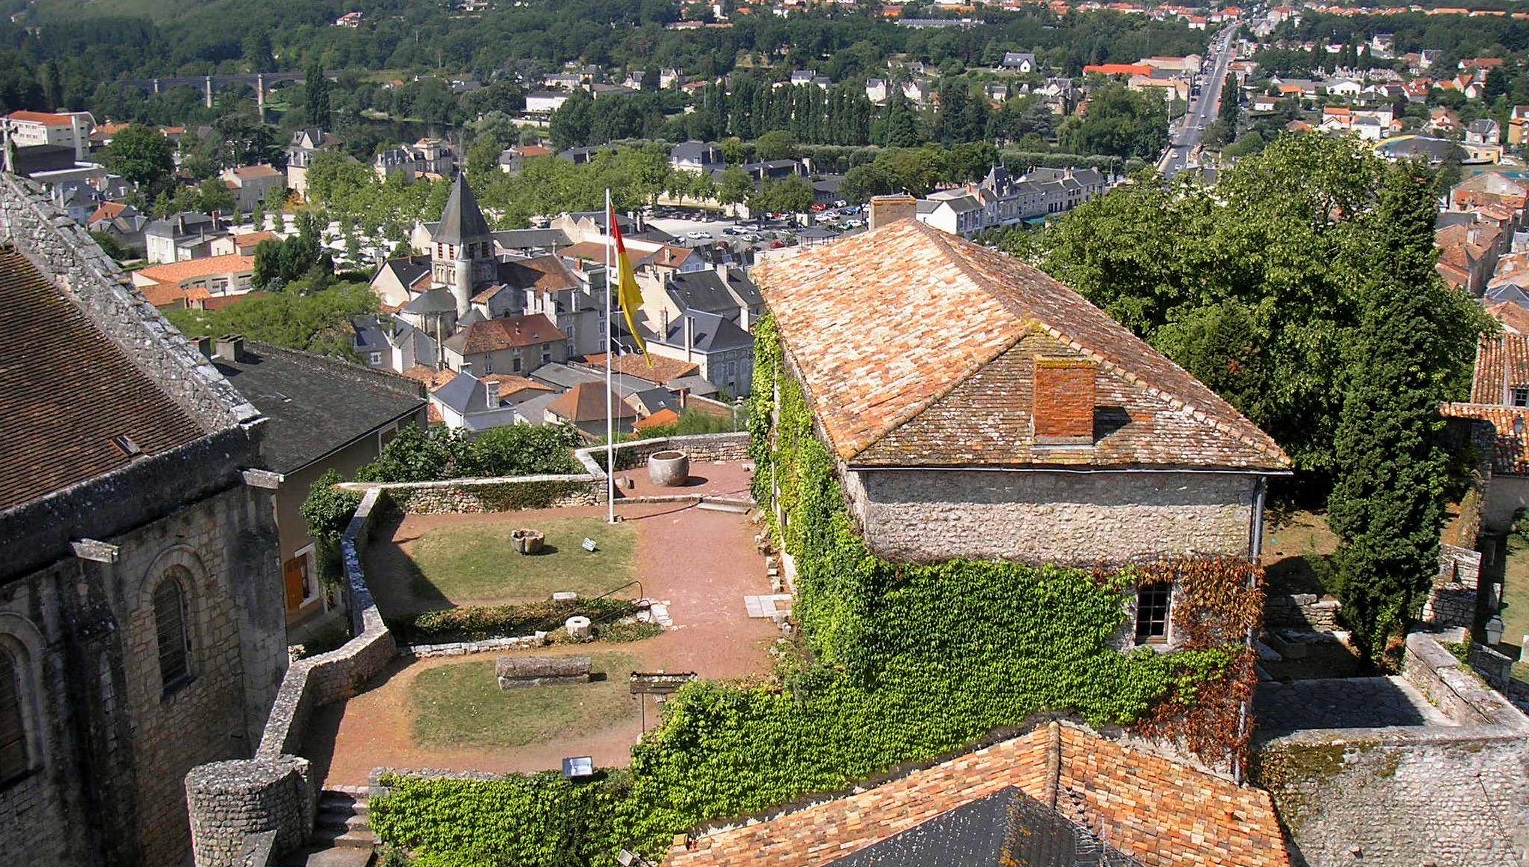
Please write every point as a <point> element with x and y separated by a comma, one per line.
<point>514,672</point>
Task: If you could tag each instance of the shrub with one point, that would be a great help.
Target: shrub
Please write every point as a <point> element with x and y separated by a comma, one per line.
<point>327,512</point>
<point>477,622</point>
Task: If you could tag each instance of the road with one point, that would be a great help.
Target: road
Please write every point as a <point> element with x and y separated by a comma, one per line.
<point>1202,109</point>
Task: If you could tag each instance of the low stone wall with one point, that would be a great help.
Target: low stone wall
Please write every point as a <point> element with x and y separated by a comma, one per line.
<point>1409,795</point>
<point>465,648</point>
<point>587,488</point>
<point>1305,611</point>
<point>229,801</point>
<point>1452,599</point>
<point>1454,688</point>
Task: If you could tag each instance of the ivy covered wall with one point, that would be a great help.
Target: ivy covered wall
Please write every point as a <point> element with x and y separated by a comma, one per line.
<point>900,663</point>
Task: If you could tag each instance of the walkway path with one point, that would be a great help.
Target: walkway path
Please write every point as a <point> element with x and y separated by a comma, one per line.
<point>1341,703</point>
<point>702,563</point>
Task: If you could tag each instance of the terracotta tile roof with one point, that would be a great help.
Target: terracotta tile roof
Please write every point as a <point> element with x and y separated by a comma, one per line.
<point>167,295</point>
<point>1155,810</point>
<point>664,369</point>
<point>510,385</point>
<point>247,242</point>
<point>1509,457</point>
<point>1502,364</point>
<point>665,416</point>
<point>917,348</point>
<point>175,273</point>
<point>589,251</point>
<point>1514,319</point>
<point>107,211</point>
<point>544,273</point>
<point>45,118</point>
<point>432,378</point>
<point>257,171</point>
<point>69,393</point>
<point>585,402</point>
<point>493,335</point>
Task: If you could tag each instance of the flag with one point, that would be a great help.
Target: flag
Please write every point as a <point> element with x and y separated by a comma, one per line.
<point>627,292</point>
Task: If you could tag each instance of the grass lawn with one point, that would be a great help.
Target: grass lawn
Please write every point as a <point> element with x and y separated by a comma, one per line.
<point>475,563</point>
<point>1515,597</point>
<point>461,705</point>
<point>1298,549</point>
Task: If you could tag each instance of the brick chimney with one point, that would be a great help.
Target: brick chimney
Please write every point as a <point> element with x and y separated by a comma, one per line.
<point>890,209</point>
<point>1063,403</point>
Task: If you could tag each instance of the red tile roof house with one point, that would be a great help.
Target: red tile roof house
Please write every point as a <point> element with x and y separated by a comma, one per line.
<point>1500,398</point>
<point>978,408</point>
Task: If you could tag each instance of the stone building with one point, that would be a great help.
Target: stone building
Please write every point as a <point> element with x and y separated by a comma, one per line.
<point>978,408</point>
<point>1500,398</point>
<point>141,630</point>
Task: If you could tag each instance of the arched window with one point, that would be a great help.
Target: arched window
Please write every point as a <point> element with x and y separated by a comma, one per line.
<point>13,730</point>
<point>170,626</point>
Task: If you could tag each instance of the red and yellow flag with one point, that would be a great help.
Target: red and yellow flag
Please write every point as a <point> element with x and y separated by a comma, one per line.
<point>629,296</point>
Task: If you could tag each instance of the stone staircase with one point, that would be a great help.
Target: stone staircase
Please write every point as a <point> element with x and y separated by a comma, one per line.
<point>342,833</point>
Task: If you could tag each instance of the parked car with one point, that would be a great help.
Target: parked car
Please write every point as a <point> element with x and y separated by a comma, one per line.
<point>698,235</point>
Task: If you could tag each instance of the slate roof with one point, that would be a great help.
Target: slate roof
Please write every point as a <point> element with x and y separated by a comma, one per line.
<point>1003,829</point>
<point>709,333</point>
<point>66,390</point>
<point>710,292</point>
<point>508,332</point>
<point>462,220</point>
<point>917,349</point>
<point>407,270</point>
<point>316,404</point>
<point>434,301</point>
<point>585,402</point>
<point>529,239</point>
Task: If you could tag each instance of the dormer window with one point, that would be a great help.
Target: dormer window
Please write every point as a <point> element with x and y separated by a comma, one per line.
<point>1519,396</point>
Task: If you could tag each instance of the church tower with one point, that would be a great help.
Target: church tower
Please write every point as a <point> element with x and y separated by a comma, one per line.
<point>462,255</point>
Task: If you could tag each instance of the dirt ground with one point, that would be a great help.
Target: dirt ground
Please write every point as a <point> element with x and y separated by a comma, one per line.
<point>700,563</point>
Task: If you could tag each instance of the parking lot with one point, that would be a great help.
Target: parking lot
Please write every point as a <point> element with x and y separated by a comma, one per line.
<point>695,227</point>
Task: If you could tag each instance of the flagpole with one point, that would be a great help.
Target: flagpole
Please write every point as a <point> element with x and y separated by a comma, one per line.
<point>610,421</point>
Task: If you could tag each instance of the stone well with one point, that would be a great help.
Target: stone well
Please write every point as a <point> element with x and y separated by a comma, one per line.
<point>669,469</point>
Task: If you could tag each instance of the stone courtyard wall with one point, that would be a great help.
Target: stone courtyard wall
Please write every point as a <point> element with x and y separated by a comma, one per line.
<point>268,803</point>
<point>1407,796</point>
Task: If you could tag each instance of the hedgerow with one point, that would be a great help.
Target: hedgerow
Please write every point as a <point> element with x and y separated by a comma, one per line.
<point>908,662</point>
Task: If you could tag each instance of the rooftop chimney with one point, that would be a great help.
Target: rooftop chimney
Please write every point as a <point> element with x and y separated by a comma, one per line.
<point>492,387</point>
<point>466,369</point>
<point>890,209</point>
<point>231,348</point>
<point>1063,402</point>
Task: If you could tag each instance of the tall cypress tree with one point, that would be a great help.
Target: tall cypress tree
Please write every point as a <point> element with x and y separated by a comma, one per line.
<point>316,86</point>
<point>1386,505</point>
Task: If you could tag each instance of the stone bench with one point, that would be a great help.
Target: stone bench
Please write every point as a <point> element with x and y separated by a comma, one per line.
<point>515,672</point>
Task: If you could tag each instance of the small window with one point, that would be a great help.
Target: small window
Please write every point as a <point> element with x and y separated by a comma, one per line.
<point>515,364</point>
<point>1521,395</point>
<point>1152,604</point>
<point>376,358</point>
<point>13,731</point>
<point>170,625</point>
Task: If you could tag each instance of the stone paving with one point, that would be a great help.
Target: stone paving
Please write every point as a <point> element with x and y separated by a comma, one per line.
<point>778,605</point>
<point>1341,703</point>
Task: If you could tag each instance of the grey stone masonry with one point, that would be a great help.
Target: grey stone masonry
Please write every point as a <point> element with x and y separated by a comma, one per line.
<point>1306,611</point>
<point>1405,796</point>
<point>514,672</point>
<point>229,801</point>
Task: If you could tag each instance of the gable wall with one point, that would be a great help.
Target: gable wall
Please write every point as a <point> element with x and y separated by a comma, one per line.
<point>1050,516</point>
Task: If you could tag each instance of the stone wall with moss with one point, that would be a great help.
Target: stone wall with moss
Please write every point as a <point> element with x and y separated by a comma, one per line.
<point>1451,796</point>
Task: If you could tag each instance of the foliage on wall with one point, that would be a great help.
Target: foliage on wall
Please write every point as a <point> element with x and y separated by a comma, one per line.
<point>904,662</point>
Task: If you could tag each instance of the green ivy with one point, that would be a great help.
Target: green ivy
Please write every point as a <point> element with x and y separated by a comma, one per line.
<point>908,662</point>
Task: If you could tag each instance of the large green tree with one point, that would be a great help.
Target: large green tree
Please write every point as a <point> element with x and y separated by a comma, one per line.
<point>1254,287</point>
<point>142,155</point>
<point>1387,500</point>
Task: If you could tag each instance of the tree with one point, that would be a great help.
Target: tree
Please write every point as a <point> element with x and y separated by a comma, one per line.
<point>142,155</point>
<point>734,186</point>
<point>775,145</point>
<point>1496,85</point>
<point>316,95</point>
<point>872,179</point>
<point>1387,500</point>
<point>214,196</point>
<point>316,321</point>
<point>1256,288</point>
<point>791,195</point>
<point>1120,123</point>
<point>1230,103</point>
